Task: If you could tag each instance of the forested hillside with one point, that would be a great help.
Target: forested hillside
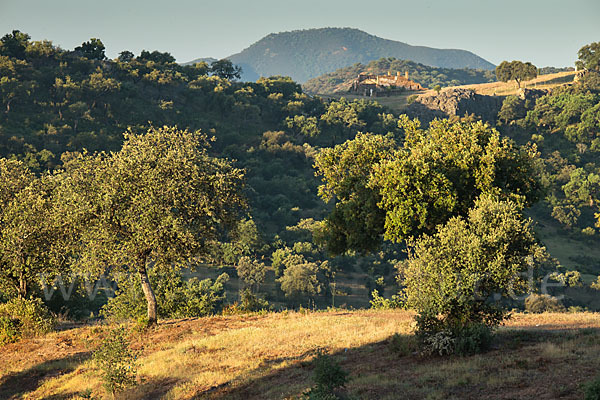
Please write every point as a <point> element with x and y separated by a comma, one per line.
<point>339,80</point>
<point>56,101</point>
<point>306,54</point>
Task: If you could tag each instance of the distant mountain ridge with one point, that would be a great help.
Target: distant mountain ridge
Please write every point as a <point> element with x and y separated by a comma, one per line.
<point>306,54</point>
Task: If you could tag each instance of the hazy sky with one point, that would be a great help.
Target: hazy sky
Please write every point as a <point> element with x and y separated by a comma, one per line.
<point>545,32</point>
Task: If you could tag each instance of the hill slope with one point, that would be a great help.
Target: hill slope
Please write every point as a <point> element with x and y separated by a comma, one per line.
<point>305,54</point>
<point>268,357</point>
<point>340,79</point>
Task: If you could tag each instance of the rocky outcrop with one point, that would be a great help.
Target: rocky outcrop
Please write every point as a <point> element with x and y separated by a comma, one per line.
<point>455,102</point>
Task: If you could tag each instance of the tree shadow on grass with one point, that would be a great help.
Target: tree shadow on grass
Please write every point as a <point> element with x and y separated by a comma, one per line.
<point>393,367</point>
<point>296,376</point>
<point>15,385</point>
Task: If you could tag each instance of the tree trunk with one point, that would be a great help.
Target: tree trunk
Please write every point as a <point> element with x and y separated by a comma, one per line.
<point>148,292</point>
<point>22,287</point>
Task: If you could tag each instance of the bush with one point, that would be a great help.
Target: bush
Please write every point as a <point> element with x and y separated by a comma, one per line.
<point>175,297</point>
<point>116,362</point>
<point>473,339</point>
<point>540,303</point>
<point>411,99</point>
<point>328,376</point>
<point>20,318</point>
<point>439,337</point>
<point>381,303</point>
<point>9,330</point>
<point>403,345</point>
<point>452,276</point>
<point>592,390</point>
<point>250,302</point>
<point>441,343</point>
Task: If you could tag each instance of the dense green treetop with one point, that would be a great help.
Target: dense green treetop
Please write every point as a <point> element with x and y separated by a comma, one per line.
<point>589,56</point>
<point>452,275</point>
<point>516,70</point>
<point>406,191</point>
<point>160,199</point>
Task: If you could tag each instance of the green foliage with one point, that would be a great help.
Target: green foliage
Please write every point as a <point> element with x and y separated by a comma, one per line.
<point>92,49</point>
<point>116,362</point>
<point>161,199</point>
<point>516,70</point>
<point>346,169</point>
<point>411,99</point>
<point>513,108</point>
<point>251,271</point>
<point>404,345</point>
<point>9,330</point>
<point>380,303</point>
<point>452,276</point>
<point>21,318</point>
<point>589,56</point>
<point>328,376</point>
<point>14,44</point>
<point>473,339</point>
<point>592,389</point>
<point>244,240</point>
<point>301,278</point>
<point>441,171</point>
<point>540,303</point>
<point>426,75</point>
<point>176,298</point>
<point>225,69</point>
<point>251,302</point>
<point>31,235</point>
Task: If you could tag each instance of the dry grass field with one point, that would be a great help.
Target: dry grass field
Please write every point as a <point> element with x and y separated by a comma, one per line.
<point>543,356</point>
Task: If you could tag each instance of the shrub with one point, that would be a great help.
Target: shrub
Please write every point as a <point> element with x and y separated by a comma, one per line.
<point>450,277</point>
<point>250,302</point>
<point>176,298</point>
<point>328,376</point>
<point>473,339</point>
<point>441,343</point>
<point>21,318</point>
<point>411,99</point>
<point>381,303</point>
<point>592,390</point>
<point>251,271</point>
<point>403,345</point>
<point>116,361</point>
<point>539,303</point>
<point>9,330</point>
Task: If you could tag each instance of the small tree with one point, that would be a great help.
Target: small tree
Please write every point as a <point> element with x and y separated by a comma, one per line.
<point>116,362</point>
<point>161,199</point>
<point>451,276</point>
<point>251,271</point>
<point>93,49</point>
<point>516,70</point>
<point>589,57</point>
<point>31,235</point>
<point>437,89</point>
<point>225,69</point>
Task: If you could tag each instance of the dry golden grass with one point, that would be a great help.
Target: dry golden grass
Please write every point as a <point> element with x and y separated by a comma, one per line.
<point>268,357</point>
<point>399,103</point>
<point>508,88</point>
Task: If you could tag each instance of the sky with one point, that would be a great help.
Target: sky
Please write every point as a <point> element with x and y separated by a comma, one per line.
<point>545,32</point>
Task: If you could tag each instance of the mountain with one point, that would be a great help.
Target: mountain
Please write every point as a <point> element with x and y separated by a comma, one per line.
<point>305,54</point>
<point>341,79</point>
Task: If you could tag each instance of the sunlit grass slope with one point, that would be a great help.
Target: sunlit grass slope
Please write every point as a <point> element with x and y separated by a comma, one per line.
<point>546,356</point>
